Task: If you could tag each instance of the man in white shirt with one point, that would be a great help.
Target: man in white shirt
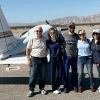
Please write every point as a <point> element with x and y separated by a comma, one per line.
<point>37,61</point>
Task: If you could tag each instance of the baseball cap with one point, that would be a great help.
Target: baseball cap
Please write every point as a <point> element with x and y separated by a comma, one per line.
<point>71,24</point>
<point>96,30</point>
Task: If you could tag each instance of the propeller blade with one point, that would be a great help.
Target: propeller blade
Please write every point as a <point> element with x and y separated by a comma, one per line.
<point>47,22</point>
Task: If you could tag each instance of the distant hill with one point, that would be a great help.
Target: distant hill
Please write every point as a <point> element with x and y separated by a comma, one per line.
<point>65,20</point>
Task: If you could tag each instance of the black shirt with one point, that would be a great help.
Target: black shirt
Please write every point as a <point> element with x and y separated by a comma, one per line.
<point>55,47</point>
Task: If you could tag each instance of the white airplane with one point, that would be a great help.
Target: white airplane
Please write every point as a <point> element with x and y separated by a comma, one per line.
<point>12,50</point>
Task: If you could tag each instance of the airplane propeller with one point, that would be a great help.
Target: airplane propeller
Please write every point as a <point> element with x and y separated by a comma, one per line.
<point>47,22</point>
<point>62,29</point>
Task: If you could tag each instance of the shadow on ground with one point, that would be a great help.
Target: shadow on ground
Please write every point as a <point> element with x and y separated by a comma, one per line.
<point>25,80</point>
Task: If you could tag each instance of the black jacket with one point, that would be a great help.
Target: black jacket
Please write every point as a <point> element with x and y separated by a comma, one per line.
<point>95,48</point>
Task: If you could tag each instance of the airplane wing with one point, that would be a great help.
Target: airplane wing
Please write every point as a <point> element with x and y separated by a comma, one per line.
<point>15,59</point>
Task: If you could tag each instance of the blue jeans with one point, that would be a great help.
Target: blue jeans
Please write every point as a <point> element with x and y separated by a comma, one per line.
<point>39,66</point>
<point>68,60</point>
<point>82,60</point>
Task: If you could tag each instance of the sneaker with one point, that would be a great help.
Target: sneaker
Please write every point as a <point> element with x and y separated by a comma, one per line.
<point>59,90</point>
<point>56,92</point>
<point>30,94</point>
<point>75,89</point>
<point>80,89</point>
<point>43,91</point>
<point>98,89</point>
<point>66,90</point>
<point>92,89</point>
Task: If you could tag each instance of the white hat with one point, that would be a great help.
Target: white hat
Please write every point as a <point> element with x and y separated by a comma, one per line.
<point>96,30</point>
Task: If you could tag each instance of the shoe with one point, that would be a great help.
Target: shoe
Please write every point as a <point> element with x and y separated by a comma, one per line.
<point>43,91</point>
<point>92,89</point>
<point>56,92</point>
<point>66,90</point>
<point>59,90</point>
<point>30,94</point>
<point>98,89</point>
<point>80,89</point>
<point>75,89</point>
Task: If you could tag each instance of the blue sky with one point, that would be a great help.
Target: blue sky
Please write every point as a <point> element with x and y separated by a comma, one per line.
<point>30,11</point>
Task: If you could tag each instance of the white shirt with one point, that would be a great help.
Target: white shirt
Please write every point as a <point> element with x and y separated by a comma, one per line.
<point>38,47</point>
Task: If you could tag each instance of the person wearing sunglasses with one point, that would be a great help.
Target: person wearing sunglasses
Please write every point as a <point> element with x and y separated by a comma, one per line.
<point>36,48</point>
<point>84,58</point>
<point>70,57</point>
<point>95,47</point>
<point>56,64</point>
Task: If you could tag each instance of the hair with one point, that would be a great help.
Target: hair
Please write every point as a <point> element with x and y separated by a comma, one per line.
<point>98,33</point>
<point>51,30</point>
<point>98,38</point>
<point>39,27</point>
<point>80,31</point>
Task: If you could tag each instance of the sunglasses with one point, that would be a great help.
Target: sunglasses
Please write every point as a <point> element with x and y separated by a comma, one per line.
<point>72,27</point>
<point>81,34</point>
<point>95,33</point>
<point>39,31</point>
<point>53,33</point>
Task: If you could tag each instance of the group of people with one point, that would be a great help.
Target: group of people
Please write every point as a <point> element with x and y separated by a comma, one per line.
<point>69,49</point>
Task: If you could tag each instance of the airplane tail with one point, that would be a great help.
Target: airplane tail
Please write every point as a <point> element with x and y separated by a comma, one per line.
<point>7,39</point>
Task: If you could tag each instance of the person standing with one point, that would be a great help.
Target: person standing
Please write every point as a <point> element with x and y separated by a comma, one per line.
<point>56,64</point>
<point>36,48</point>
<point>70,57</point>
<point>84,57</point>
<point>95,47</point>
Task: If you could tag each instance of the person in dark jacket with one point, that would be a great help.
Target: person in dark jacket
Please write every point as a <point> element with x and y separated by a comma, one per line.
<point>95,48</point>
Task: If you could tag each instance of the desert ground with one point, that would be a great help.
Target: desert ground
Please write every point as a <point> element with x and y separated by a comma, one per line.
<point>14,83</point>
<point>88,28</point>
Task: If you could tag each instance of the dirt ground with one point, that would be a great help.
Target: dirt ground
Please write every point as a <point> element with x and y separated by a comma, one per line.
<point>17,31</point>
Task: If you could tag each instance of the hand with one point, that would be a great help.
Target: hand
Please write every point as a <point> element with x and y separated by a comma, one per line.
<point>97,64</point>
<point>29,63</point>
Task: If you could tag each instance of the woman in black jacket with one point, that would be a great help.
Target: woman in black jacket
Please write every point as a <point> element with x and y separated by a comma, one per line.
<point>95,48</point>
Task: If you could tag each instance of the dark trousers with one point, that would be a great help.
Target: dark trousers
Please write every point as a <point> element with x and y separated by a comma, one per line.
<point>98,69</point>
<point>39,66</point>
<point>68,60</point>
<point>56,66</point>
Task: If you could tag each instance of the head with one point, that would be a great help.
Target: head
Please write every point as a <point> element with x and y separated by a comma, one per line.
<point>38,31</point>
<point>82,34</point>
<point>52,33</point>
<point>71,27</point>
<point>96,34</point>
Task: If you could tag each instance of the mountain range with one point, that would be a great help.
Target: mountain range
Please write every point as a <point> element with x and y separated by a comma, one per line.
<point>65,20</point>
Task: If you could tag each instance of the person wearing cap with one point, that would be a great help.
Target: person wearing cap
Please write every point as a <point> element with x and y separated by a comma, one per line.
<point>84,58</point>
<point>70,57</point>
<point>95,47</point>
